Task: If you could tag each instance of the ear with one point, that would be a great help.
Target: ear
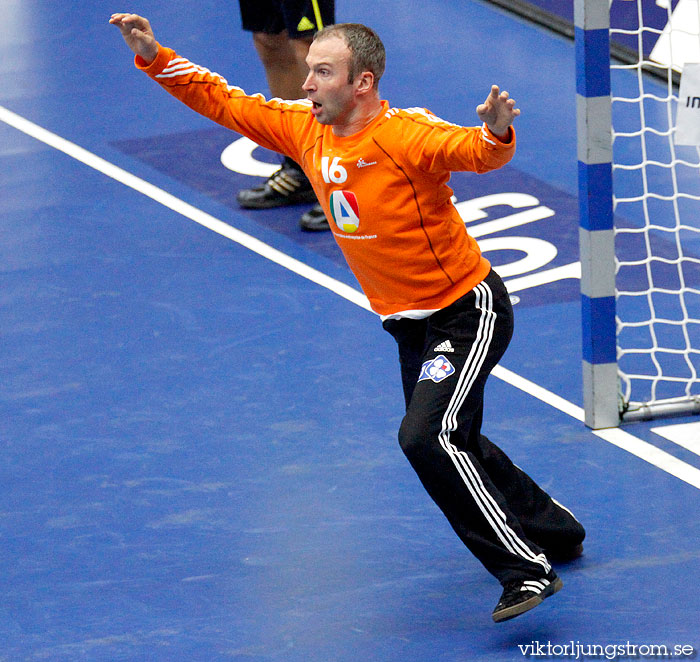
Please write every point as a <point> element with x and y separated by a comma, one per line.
<point>364,83</point>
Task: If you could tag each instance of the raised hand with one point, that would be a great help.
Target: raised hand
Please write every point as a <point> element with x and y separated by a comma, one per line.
<point>138,35</point>
<point>498,112</point>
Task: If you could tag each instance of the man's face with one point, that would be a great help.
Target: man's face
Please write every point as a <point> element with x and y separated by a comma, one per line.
<point>327,83</point>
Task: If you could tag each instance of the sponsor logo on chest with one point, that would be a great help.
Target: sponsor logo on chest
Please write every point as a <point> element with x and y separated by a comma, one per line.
<point>344,205</point>
<point>345,210</point>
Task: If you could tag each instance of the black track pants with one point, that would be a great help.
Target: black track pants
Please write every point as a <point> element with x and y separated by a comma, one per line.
<point>496,509</point>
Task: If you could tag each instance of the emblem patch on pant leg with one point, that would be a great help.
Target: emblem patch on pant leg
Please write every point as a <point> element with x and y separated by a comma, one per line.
<point>436,369</point>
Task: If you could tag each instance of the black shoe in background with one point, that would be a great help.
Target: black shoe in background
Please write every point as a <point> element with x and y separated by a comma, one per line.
<point>314,220</point>
<point>286,186</point>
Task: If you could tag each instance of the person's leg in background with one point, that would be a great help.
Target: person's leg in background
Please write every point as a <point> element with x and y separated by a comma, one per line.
<point>282,33</point>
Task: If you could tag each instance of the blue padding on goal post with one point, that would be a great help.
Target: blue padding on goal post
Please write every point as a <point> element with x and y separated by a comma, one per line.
<point>595,187</point>
<point>593,49</point>
<point>595,196</point>
<point>598,317</point>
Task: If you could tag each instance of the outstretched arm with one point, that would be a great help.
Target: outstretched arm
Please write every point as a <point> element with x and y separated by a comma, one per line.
<point>498,112</point>
<point>137,34</point>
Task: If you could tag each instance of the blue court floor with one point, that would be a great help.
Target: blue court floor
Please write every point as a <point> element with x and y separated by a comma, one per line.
<point>198,416</point>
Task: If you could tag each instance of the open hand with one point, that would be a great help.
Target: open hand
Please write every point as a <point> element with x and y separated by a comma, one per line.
<point>498,112</point>
<point>138,35</point>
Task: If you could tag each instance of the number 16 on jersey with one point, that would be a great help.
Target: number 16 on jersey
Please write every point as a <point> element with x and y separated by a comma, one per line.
<point>333,172</point>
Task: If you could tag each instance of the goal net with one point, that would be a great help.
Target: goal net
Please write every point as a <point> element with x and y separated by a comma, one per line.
<point>639,207</point>
<point>656,206</point>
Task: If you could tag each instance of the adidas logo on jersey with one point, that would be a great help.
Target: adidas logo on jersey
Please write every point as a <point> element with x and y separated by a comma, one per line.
<point>444,347</point>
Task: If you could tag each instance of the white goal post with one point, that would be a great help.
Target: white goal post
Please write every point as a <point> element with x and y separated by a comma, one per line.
<point>639,205</point>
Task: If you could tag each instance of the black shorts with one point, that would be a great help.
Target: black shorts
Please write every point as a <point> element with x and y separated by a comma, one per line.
<point>297,17</point>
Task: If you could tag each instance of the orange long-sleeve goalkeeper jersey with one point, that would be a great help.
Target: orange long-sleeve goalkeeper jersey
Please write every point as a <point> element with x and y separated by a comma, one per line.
<point>383,189</point>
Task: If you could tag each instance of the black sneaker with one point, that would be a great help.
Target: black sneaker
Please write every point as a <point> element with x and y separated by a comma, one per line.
<point>286,186</point>
<point>314,220</point>
<point>522,595</point>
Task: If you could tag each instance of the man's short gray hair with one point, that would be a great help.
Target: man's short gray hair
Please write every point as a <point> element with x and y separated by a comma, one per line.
<point>366,48</point>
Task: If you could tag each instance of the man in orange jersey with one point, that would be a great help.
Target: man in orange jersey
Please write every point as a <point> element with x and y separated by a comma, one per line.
<point>381,175</point>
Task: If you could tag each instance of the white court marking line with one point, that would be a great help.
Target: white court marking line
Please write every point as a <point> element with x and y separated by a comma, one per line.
<point>624,440</point>
<point>615,436</point>
<point>181,207</point>
<point>686,435</point>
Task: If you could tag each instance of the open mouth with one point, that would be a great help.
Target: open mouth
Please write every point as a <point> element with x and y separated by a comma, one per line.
<point>315,106</point>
